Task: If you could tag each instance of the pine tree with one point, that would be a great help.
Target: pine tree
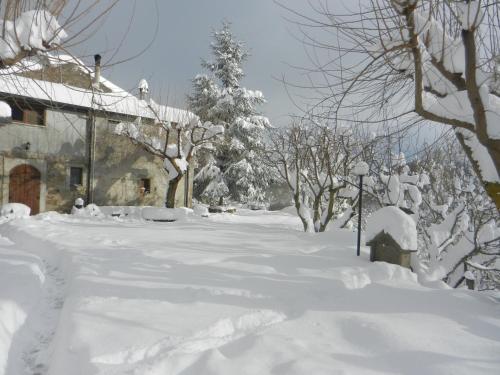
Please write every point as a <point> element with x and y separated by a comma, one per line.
<point>232,168</point>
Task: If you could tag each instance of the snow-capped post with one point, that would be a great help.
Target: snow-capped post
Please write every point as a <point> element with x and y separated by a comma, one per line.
<point>143,89</point>
<point>470,280</point>
<point>361,169</point>
<point>79,203</point>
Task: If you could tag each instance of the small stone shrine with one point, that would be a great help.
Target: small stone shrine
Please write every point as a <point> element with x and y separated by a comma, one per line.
<point>392,236</point>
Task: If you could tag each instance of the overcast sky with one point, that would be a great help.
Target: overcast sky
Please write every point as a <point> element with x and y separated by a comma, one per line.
<point>183,38</point>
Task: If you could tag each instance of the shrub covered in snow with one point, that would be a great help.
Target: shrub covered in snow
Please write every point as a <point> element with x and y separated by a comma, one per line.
<point>200,210</point>
<point>15,211</point>
<point>90,210</point>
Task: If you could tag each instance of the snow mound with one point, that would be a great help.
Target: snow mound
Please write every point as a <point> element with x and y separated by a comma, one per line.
<point>200,210</point>
<point>131,212</point>
<point>215,296</point>
<point>165,214</point>
<point>391,220</point>
<point>15,211</point>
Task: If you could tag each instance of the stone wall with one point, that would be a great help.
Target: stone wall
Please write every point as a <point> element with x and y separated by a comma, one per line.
<point>63,143</point>
<point>383,248</point>
<point>119,167</point>
<point>53,149</point>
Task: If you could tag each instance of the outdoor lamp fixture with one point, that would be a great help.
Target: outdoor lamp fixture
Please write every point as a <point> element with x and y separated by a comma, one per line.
<point>360,169</point>
<point>27,146</point>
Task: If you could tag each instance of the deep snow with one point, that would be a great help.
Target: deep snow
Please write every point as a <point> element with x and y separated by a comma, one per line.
<point>228,294</point>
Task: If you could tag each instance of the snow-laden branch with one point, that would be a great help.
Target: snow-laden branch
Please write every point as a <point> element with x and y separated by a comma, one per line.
<point>174,143</point>
<point>32,32</point>
<point>315,162</point>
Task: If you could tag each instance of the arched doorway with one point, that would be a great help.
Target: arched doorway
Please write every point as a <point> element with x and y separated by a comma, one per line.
<point>24,187</point>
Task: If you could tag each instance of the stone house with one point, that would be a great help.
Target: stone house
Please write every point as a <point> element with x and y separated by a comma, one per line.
<point>60,143</point>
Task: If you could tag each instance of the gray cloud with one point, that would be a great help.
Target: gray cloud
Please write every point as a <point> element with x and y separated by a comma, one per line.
<point>183,38</point>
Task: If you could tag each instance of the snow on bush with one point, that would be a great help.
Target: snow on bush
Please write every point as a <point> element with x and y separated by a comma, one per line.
<point>93,210</point>
<point>393,221</point>
<point>90,210</point>
<point>15,211</point>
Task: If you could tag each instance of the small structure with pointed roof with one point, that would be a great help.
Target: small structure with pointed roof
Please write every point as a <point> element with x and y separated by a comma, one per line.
<point>392,236</point>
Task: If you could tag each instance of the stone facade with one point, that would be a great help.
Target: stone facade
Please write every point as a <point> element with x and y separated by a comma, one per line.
<point>123,173</point>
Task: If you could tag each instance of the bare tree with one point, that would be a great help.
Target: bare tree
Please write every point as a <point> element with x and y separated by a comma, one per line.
<point>32,27</point>
<point>315,162</point>
<point>174,142</point>
<point>437,59</point>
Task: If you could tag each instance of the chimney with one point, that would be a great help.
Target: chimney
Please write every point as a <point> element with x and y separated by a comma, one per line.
<point>97,72</point>
<point>143,89</point>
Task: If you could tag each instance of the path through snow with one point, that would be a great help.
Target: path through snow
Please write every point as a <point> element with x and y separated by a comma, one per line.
<point>246,294</point>
<point>41,300</point>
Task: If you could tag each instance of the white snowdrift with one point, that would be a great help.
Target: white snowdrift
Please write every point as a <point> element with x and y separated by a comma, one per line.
<point>21,281</point>
<point>165,214</point>
<point>247,293</point>
<point>15,211</point>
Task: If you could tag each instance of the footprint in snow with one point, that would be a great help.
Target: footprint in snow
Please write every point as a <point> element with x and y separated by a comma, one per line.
<point>221,333</point>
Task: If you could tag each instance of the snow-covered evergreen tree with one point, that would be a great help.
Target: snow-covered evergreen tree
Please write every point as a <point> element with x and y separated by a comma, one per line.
<point>232,168</point>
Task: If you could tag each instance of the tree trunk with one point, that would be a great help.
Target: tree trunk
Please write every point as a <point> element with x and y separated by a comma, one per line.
<point>296,199</point>
<point>491,188</point>
<point>172,190</point>
<point>480,127</point>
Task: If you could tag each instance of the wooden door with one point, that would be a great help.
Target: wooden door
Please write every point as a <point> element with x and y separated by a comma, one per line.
<point>24,187</point>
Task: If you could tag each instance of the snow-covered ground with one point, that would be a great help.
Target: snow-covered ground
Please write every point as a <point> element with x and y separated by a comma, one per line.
<point>229,294</point>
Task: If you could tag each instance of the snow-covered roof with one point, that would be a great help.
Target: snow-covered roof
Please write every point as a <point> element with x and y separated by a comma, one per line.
<point>393,221</point>
<point>117,101</point>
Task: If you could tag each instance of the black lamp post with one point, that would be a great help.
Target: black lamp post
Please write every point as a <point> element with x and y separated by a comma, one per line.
<point>361,170</point>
